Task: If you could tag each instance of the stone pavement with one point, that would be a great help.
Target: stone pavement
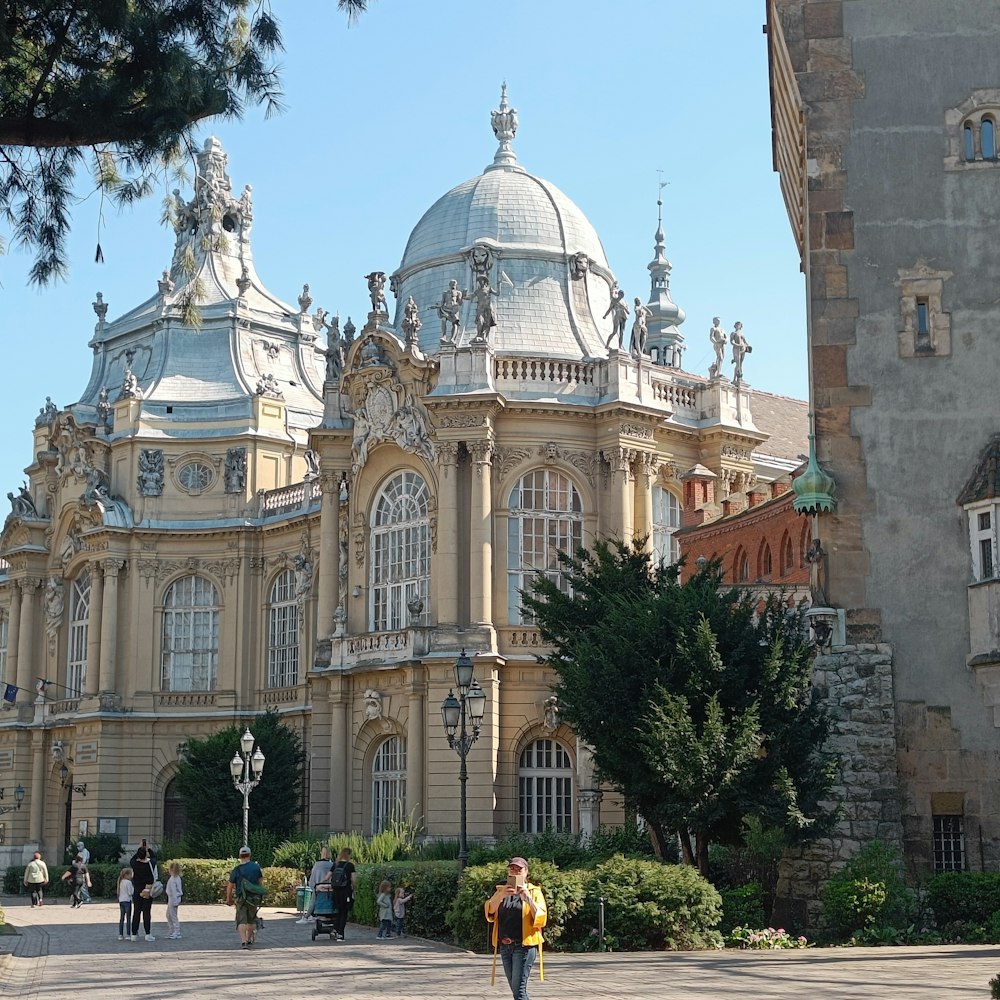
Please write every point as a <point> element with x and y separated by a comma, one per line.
<point>62,953</point>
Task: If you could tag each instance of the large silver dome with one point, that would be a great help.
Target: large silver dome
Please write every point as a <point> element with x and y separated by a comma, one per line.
<point>544,258</point>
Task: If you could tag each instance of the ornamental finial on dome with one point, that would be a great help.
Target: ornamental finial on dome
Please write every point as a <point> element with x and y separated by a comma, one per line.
<point>504,122</point>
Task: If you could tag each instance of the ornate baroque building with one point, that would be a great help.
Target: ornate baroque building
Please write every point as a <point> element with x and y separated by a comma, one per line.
<point>263,510</point>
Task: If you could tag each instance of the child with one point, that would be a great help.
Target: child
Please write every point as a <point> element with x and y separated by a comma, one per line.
<point>384,903</point>
<point>399,909</point>
<point>125,891</point>
<point>175,891</point>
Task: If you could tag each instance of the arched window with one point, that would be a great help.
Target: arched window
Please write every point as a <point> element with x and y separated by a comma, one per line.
<point>545,519</point>
<point>388,782</point>
<point>987,139</point>
<point>805,542</point>
<point>666,520</point>
<point>969,142</point>
<point>741,566</point>
<point>79,622</point>
<point>764,567</point>
<point>283,633</point>
<point>545,788</point>
<point>174,813</point>
<point>190,635</point>
<point>401,552</point>
<point>787,555</point>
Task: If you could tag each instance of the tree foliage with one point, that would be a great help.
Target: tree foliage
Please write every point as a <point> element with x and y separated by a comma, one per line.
<point>206,787</point>
<point>118,86</point>
<point>698,705</point>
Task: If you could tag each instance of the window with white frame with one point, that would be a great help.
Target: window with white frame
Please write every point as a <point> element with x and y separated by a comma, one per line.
<point>388,783</point>
<point>283,633</point>
<point>79,630</point>
<point>666,520</point>
<point>983,539</point>
<point>190,635</point>
<point>545,518</point>
<point>949,844</point>
<point>545,787</point>
<point>401,552</point>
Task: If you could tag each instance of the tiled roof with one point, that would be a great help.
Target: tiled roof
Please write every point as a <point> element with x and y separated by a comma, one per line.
<point>785,421</point>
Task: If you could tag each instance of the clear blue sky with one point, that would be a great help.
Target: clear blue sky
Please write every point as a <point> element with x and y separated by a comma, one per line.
<point>386,116</point>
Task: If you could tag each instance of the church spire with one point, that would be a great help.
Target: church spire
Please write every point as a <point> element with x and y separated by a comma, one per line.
<point>665,315</point>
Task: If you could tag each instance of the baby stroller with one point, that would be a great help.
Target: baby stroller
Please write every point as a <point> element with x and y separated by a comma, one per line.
<point>324,910</point>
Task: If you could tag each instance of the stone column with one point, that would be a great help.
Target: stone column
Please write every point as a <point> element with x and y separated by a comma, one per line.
<point>481,534</point>
<point>340,755</point>
<point>644,470</point>
<point>621,490</point>
<point>444,567</point>
<point>26,640</point>
<point>415,744</point>
<point>36,812</point>
<point>329,554</point>
<point>109,623</point>
<point>94,631</point>
<point>13,631</point>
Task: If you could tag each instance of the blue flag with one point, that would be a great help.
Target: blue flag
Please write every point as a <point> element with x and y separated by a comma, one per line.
<point>10,693</point>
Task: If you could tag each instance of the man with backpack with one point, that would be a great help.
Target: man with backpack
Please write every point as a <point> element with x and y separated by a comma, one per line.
<point>245,891</point>
<point>344,880</point>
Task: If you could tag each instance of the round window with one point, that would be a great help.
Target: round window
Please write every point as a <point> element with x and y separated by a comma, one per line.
<point>195,476</point>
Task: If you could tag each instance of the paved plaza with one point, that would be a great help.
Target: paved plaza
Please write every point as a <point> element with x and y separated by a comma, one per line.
<point>62,953</point>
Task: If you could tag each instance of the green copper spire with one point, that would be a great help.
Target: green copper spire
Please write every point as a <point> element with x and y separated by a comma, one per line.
<point>814,488</point>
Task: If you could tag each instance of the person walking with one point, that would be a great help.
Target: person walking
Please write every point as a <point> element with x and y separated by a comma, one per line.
<point>517,912</point>
<point>384,903</point>
<point>125,893</point>
<point>245,877</point>
<point>175,892</point>
<point>79,877</point>
<point>399,902</point>
<point>320,873</point>
<point>36,877</point>
<point>344,880</point>
<point>143,876</point>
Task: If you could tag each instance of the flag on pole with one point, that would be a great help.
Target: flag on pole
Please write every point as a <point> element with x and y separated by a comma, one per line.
<point>10,693</point>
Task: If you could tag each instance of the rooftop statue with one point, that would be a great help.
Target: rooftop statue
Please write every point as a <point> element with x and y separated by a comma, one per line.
<point>486,309</point>
<point>718,338</point>
<point>741,347</point>
<point>411,321</point>
<point>450,311</point>
<point>639,329</point>
<point>618,311</point>
<point>376,291</point>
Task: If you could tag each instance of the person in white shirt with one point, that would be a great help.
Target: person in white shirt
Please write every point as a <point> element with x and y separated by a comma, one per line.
<point>175,891</point>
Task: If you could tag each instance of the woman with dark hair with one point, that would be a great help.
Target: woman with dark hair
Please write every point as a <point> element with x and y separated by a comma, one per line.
<point>143,875</point>
<point>517,912</point>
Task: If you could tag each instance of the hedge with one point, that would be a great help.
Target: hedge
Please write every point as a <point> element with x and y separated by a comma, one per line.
<point>964,896</point>
<point>433,884</point>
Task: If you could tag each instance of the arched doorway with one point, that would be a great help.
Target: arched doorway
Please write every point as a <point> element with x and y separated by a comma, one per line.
<point>174,816</point>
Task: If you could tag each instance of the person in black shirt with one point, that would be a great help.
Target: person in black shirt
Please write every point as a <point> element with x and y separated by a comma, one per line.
<point>345,884</point>
<point>143,874</point>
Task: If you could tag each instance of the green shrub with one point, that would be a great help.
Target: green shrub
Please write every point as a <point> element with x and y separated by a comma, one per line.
<point>204,878</point>
<point>563,891</point>
<point>995,987</point>
<point>652,906</point>
<point>869,892</point>
<point>564,850</point>
<point>742,907</point>
<point>300,854</point>
<point>630,840</point>
<point>964,896</point>
<point>432,883</point>
<point>227,841</point>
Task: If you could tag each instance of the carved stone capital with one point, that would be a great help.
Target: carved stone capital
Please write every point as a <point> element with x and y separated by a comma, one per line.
<point>112,567</point>
<point>448,452</point>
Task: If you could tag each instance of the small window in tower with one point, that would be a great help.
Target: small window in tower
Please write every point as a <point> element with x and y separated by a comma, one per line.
<point>986,558</point>
<point>229,224</point>
<point>949,844</point>
<point>984,521</point>
<point>923,339</point>
<point>987,139</point>
<point>969,141</point>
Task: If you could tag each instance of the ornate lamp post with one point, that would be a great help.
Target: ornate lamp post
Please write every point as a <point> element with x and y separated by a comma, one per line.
<point>471,702</point>
<point>246,772</point>
<point>18,799</point>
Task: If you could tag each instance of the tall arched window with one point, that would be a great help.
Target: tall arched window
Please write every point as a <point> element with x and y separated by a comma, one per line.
<point>988,139</point>
<point>741,566</point>
<point>969,142</point>
<point>79,629</point>
<point>764,567</point>
<point>666,520</point>
<point>283,633</point>
<point>190,635</point>
<point>545,787</point>
<point>388,782</point>
<point>787,555</point>
<point>174,813</point>
<point>546,517</point>
<point>4,618</point>
<point>401,551</point>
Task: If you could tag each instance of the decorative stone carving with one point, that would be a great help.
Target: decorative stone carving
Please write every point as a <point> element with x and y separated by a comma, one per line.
<point>506,459</point>
<point>55,602</point>
<point>305,300</point>
<point>411,322</point>
<point>22,505</point>
<point>312,465</point>
<point>334,351</point>
<point>71,446</point>
<point>97,491</point>
<point>481,258</point>
<point>150,481</point>
<point>504,121</point>
<point>319,319</point>
<point>415,606</point>
<point>234,476</point>
<point>376,291</point>
<point>579,265</point>
<point>640,331</point>
<point>46,413</point>
<point>718,339</point>
<point>618,311</point>
<point>741,347</point>
<point>165,284</point>
<point>267,385</point>
<point>103,406</point>
<point>359,548</point>
<point>382,417</point>
<point>349,330</point>
<point>460,420</point>
<point>100,309</point>
<point>372,705</point>
<point>271,348</point>
<point>550,713</point>
<point>450,311</point>
<point>486,310</point>
<point>243,282</point>
<point>637,430</point>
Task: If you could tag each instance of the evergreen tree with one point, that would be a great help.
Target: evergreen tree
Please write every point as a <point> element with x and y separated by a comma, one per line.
<point>120,86</point>
<point>205,784</point>
<point>696,701</point>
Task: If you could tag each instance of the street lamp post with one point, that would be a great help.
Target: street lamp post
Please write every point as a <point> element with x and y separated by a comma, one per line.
<point>471,703</point>
<point>246,771</point>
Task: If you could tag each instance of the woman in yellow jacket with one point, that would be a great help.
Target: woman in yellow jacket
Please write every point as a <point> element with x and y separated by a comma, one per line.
<point>517,912</point>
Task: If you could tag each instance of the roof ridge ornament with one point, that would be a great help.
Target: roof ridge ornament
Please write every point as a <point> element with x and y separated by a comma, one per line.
<point>504,122</point>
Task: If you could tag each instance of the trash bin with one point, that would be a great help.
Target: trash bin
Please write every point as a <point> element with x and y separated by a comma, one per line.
<point>303,895</point>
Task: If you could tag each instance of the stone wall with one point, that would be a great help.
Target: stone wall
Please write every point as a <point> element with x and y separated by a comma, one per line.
<point>856,684</point>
